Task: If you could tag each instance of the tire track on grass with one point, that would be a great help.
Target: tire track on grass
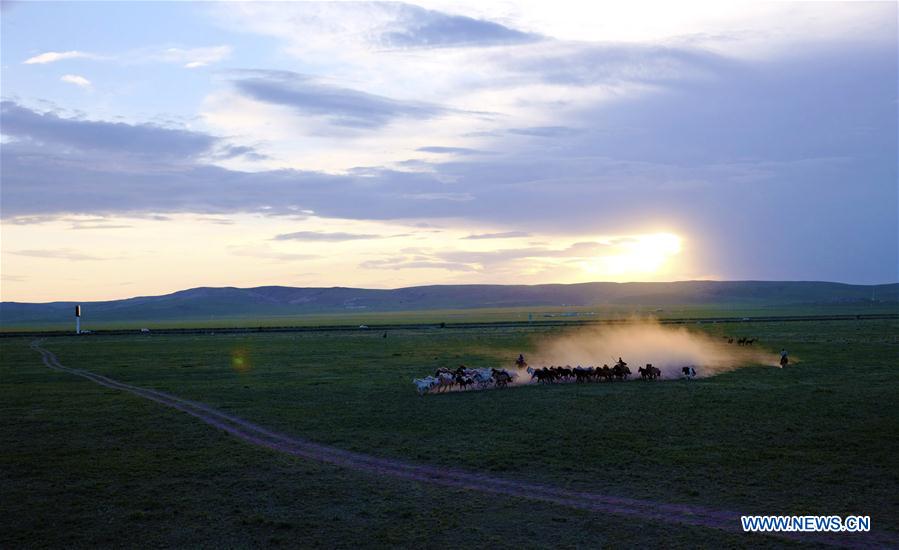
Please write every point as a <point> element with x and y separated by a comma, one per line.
<point>682,514</point>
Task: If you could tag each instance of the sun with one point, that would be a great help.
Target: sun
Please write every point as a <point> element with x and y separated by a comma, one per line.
<point>636,256</point>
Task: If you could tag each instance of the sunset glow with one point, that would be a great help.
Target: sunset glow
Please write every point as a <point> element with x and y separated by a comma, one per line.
<point>642,257</point>
<point>155,256</point>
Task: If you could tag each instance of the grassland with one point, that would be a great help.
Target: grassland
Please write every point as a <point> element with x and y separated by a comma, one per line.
<point>84,466</point>
<point>556,314</point>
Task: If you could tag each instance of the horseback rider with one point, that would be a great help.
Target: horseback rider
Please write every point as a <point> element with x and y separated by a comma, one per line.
<point>784,360</point>
<point>520,361</point>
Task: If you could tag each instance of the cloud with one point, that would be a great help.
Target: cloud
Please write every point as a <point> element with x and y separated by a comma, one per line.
<point>544,131</point>
<point>81,225</point>
<point>493,261</point>
<point>76,80</point>
<point>98,136</point>
<point>52,57</point>
<point>587,249</point>
<point>323,236</point>
<point>217,221</point>
<point>47,131</point>
<point>566,259</point>
<point>401,262</point>
<point>376,26</point>
<point>440,196</point>
<point>76,223</point>
<point>193,58</point>
<point>497,256</point>
<point>244,151</point>
<point>506,235</point>
<point>448,150</point>
<point>416,27</point>
<point>31,220</point>
<point>190,58</point>
<point>339,106</point>
<point>588,64</point>
<point>40,181</point>
<point>729,145</point>
<point>60,254</point>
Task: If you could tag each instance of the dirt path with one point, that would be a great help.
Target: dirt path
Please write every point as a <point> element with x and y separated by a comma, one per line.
<point>642,509</point>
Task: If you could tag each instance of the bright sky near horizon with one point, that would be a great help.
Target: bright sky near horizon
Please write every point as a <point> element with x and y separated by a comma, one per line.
<point>155,146</point>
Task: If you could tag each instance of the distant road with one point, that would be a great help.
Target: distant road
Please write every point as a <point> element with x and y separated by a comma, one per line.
<point>479,325</point>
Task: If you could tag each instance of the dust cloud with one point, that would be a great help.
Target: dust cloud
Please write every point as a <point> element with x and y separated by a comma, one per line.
<point>666,347</point>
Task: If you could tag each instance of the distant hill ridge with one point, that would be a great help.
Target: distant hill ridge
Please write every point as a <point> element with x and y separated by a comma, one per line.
<point>263,301</point>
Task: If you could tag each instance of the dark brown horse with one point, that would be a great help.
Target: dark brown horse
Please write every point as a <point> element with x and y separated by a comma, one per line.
<point>541,375</point>
<point>605,372</point>
<point>620,371</point>
<point>501,378</point>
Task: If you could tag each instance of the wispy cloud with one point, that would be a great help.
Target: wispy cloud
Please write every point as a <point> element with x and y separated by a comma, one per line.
<point>31,220</point>
<point>77,80</point>
<point>192,58</point>
<point>59,254</point>
<point>440,196</point>
<point>338,105</point>
<point>52,57</point>
<point>544,131</point>
<point>402,262</point>
<point>79,226</point>
<point>323,236</point>
<point>564,258</point>
<point>587,64</point>
<point>415,27</point>
<point>89,136</point>
<point>371,26</point>
<point>448,150</point>
<point>189,58</point>
<point>216,221</point>
<point>506,235</point>
<point>244,151</point>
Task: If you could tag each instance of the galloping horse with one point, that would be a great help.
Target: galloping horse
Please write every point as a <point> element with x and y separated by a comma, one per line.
<point>620,370</point>
<point>501,378</point>
<point>542,375</point>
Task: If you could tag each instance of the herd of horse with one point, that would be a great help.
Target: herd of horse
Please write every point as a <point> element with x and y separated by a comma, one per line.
<point>553,374</point>
<point>620,371</point>
<point>464,378</point>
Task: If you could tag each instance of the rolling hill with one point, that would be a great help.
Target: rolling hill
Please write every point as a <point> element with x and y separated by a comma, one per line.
<point>269,301</point>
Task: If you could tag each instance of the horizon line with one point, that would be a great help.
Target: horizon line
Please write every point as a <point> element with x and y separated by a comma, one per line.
<point>450,284</point>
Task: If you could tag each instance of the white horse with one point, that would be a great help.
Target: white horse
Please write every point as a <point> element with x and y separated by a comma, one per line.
<point>424,385</point>
<point>483,377</point>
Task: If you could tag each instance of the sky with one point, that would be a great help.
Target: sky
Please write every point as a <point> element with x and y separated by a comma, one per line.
<point>152,147</point>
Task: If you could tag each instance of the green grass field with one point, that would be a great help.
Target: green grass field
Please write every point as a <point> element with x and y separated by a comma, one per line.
<point>84,465</point>
<point>475,315</point>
